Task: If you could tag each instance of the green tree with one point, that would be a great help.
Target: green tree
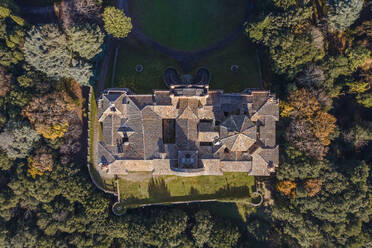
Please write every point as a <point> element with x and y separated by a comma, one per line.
<point>259,229</point>
<point>5,162</point>
<point>285,4</point>
<point>360,134</point>
<point>202,229</point>
<point>116,22</point>
<point>290,45</point>
<point>11,35</point>
<point>85,40</point>
<point>45,49</point>
<point>357,56</point>
<point>292,53</point>
<point>5,78</point>
<point>81,71</point>
<point>365,99</point>
<point>343,13</point>
<point>223,235</point>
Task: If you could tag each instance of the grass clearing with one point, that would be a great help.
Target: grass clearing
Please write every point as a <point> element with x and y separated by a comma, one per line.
<point>147,189</point>
<point>187,25</point>
<point>131,53</point>
<point>92,118</point>
<point>240,52</point>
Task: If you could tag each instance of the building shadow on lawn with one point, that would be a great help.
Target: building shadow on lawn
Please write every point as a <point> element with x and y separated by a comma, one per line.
<point>194,192</point>
<point>158,190</point>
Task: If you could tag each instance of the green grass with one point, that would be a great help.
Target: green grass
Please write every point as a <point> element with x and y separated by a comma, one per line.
<point>240,52</point>
<point>142,188</point>
<point>187,24</point>
<point>92,118</point>
<point>131,53</point>
<point>92,126</point>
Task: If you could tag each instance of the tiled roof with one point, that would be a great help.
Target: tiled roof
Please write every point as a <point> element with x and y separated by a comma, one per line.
<point>224,132</point>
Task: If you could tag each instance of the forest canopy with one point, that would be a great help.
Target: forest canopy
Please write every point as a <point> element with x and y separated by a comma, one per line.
<point>316,59</point>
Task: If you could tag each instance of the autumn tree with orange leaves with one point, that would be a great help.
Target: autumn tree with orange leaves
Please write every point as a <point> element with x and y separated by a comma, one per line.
<point>287,188</point>
<point>312,127</point>
<point>50,114</point>
<point>41,162</point>
<point>313,186</point>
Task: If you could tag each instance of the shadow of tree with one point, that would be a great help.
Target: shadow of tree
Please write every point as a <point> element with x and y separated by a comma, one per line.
<point>194,192</point>
<point>236,191</point>
<point>158,190</point>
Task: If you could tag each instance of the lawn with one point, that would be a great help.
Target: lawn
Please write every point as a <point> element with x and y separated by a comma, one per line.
<point>92,118</point>
<point>188,24</point>
<point>142,188</point>
<point>131,53</point>
<point>240,52</point>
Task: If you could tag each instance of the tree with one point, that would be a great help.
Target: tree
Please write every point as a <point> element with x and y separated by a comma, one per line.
<point>81,72</point>
<point>293,52</point>
<point>358,87</point>
<point>259,229</point>
<point>88,8</point>
<point>41,161</point>
<point>116,23</point>
<point>201,231</point>
<point>311,77</point>
<point>334,216</point>
<point>357,56</point>
<point>297,166</point>
<point>313,186</point>
<point>300,135</point>
<point>85,40</point>
<point>5,78</point>
<point>343,13</point>
<point>311,128</point>
<point>360,134</point>
<point>365,99</point>
<point>290,45</point>
<point>11,35</point>
<point>270,30</point>
<point>223,234</point>
<point>5,162</point>
<point>287,188</point>
<point>18,139</point>
<point>50,114</point>
<point>285,4</point>
<point>45,49</point>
